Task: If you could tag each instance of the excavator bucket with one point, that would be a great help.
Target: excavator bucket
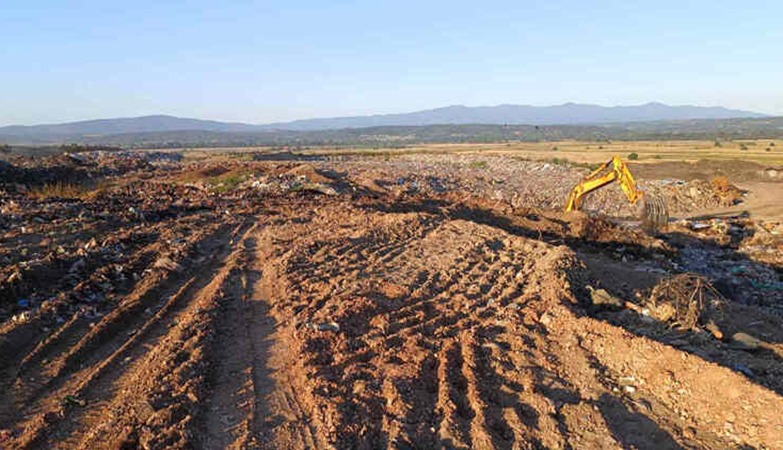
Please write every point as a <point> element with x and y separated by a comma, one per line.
<point>654,213</point>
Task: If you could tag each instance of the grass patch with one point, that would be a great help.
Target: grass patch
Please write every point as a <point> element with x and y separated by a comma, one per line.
<point>219,179</point>
<point>569,163</point>
<point>68,191</point>
<point>227,182</point>
<point>478,165</point>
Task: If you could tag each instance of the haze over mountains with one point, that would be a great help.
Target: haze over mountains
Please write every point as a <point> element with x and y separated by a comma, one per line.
<point>566,114</point>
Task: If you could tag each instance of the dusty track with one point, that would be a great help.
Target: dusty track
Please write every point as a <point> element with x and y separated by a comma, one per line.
<point>317,322</point>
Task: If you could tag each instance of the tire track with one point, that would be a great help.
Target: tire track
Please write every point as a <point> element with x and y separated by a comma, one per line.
<point>99,342</point>
<point>229,410</point>
<point>280,419</point>
<point>93,384</point>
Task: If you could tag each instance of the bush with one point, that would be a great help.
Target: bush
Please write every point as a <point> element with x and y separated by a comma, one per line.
<point>633,156</point>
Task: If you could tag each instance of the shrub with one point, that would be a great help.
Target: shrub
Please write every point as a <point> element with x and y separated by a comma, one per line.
<point>633,156</point>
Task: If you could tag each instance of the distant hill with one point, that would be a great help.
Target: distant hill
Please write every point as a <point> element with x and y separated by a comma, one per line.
<point>107,127</point>
<point>567,114</point>
<point>403,136</point>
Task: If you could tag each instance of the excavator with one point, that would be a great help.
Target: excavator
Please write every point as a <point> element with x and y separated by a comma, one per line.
<point>653,211</point>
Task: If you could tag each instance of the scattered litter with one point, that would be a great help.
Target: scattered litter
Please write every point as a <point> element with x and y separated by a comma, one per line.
<point>329,326</point>
<point>71,400</point>
<point>744,341</point>
<point>167,263</point>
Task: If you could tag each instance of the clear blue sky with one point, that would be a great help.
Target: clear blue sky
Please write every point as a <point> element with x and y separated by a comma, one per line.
<point>280,60</point>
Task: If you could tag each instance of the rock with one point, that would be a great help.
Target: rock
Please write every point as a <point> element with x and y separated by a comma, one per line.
<point>319,187</point>
<point>603,299</point>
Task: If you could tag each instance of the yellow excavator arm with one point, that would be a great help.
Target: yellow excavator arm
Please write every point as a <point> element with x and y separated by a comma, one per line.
<point>595,180</point>
<point>654,211</point>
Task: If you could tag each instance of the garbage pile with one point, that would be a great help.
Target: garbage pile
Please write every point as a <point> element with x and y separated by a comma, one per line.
<point>740,255</point>
<point>114,163</point>
<point>525,183</point>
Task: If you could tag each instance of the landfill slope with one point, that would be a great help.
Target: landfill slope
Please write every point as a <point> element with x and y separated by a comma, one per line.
<point>305,308</point>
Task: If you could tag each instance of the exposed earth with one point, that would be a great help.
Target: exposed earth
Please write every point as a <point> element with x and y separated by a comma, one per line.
<point>416,302</point>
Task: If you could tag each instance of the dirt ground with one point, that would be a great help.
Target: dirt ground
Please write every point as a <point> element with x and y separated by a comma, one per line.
<point>362,303</point>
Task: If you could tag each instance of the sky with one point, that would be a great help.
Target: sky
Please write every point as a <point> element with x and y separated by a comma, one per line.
<point>269,61</point>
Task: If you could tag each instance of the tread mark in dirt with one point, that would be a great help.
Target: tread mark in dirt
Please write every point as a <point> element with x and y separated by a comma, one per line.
<point>94,384</point>
<point>116,326</point>
<point>357,328</point>
<point>279,420</point>
<point>453,403</point>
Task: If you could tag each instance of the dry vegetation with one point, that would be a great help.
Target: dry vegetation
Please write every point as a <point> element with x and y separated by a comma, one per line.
<point>64,190</point>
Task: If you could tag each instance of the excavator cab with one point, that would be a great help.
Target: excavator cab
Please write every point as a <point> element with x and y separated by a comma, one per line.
<point>652,210</point>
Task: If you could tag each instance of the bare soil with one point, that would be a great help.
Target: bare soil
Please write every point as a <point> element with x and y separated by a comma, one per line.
<point>282,314</point>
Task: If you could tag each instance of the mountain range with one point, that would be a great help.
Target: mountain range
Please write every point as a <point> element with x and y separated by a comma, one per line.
<point>566,114</point>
